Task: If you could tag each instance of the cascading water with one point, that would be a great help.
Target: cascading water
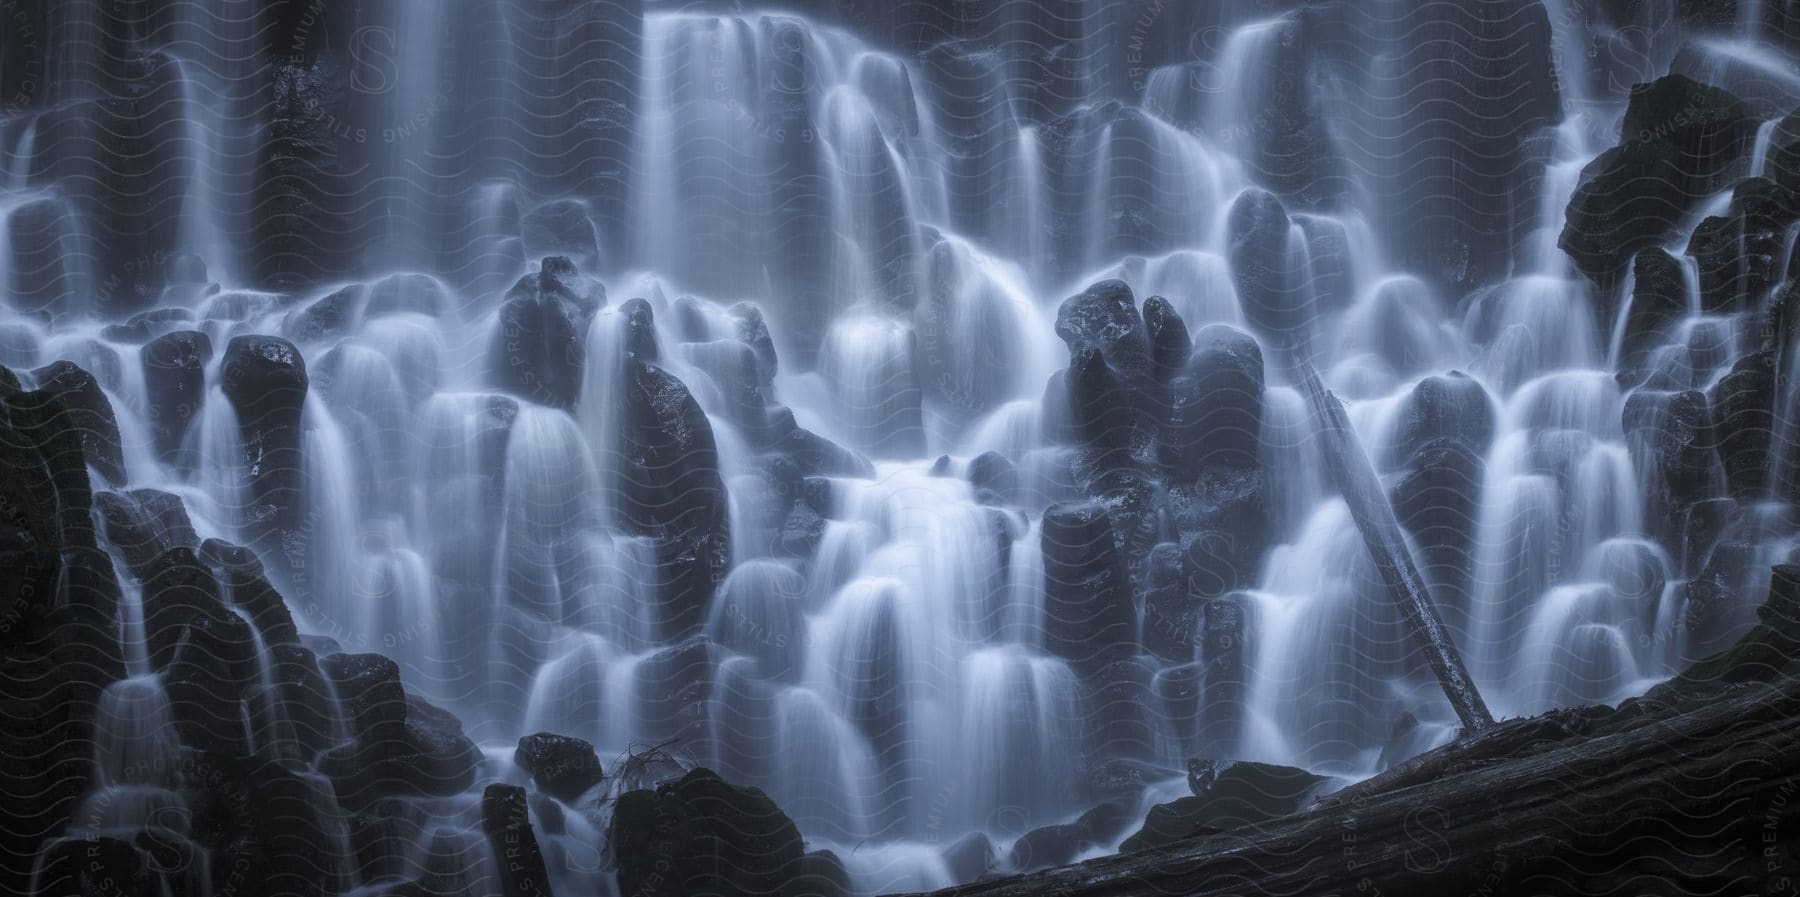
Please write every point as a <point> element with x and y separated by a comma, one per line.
<point>720,419</point>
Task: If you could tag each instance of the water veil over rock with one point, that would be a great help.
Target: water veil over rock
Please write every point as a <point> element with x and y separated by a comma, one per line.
<point>833,448</point>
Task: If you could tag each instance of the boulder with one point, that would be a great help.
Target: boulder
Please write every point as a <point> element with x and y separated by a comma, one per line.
<point>1262,267</point>
<point>1449,406</point>
<point>540,351</point>
<point>91,416</point>
<point>640,330</point>
<point>564,767</point>
<point>1242,794</point>
<point>175,389</point>
<point>1671,435</point>
<point>265,379</point>
<point>506,821</point>
<point>1088,615</point>
<point>1171,624</point>
<point>993,477</point>
<point>1744,423</point>
<point>750,329</point>
<point>1104,318</point>
<point>142,524</point>
<point>1052,845</point>
<point>1681,140</point>
<point>1223,522</point>
<point>426,756</point>
<point>1658,300</point>
<point>672,490</point>
<point>1216,403</point>
<point>1222,650</point>
<point>1170,344</point>
<point>969,857</point>
<point>1100,408</point>
<point>703,836</point>
<point>329,317</point>
<point>147,325</point>
<point>408,293</point>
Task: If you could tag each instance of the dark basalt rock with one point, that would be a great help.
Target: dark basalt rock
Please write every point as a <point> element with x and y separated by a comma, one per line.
<point>1224,524</point>
<point>1170,344</point>
<point>1436,497</point>
<point>91,416</point>
<point>541,350</point>
<point>1672,435</point>
<point>971,857</point>
<point>98,866</point>
<point>563,766</point>
<point>368,686</point>
<point>1100,408</point>
<point>1713,615</point>
<point>407,293</point>
<point>672,490</point>
<point>1450,406</point>
<point>1105,318</point>
<point>147,325</point>
<point>1216,405</point>
<point>328,317</point>
<point>822,874</point>
<point>175,387</point>
<point>813,453</point>
<point>241,575</point>
<point>676,682</point>
<point>426,756</point>
<point>1658,300</point>
<point>747,320</point>
<point>1680,141</point>
<point>703,836</point>
<point>1222,651</point>
<point>506,821</point>
<point>1268,286</point>
<point>1088,615</point>
<point>265,379</point>
<point>562,227</point>
<point>1242,794</point>
<point>993,477</point>
<point>144,523</point>
<point>1052,845</point>
<point>1744,423</point>
<point>206,653</point>
<point>1171,624</point>
<point>640,330</point>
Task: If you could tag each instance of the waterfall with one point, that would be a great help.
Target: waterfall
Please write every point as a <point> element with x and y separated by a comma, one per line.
<point>888,409</point>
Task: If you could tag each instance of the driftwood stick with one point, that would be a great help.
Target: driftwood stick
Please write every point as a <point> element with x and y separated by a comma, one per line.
<point>1356,480</point>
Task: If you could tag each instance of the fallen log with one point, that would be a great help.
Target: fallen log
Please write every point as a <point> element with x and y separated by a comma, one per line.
<point>1692,789</point>
<point>1356,480</point>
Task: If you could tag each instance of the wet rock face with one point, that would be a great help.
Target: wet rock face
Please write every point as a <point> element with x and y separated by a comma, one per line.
<point>144,523</point>
<point>1088,614</point>
<point>1673,436</point>
<point>1680,141</point>
<point>703,836</point>
<point>1658,300</point>
<point>1262,266</point>
<point>1216,403</point>
<point>506,820</point>
<point>1244,793</point>
<point>1449,406</point>
<point>175,386</point>
<point>540,352</point>
<point>265,379</point>
<point>673,491</point>
<point>1104,317</point>
<point>563,766</point>
<point>92,415</point>
<point>1743,404</point>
